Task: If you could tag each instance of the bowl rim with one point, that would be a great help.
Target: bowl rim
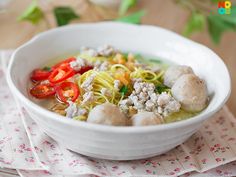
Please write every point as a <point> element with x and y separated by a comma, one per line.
<point>106,128</point>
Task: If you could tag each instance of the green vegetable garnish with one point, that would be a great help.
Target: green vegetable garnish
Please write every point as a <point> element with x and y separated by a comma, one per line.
<point>125,5</point>
<point>33,13</point>
<point>218,24</point>
<point>196,22</point>
<point>162,88</point>
<point>140,58</point>
<point>64,15</point>
<point>134,18</point>
<point>123,90</point>
<point>125,56</point>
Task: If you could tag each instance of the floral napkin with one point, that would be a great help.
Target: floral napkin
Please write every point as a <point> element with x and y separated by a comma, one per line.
<point>23,146</point>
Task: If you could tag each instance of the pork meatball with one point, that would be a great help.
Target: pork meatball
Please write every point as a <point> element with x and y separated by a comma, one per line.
<point>146,118</point>
<point>107,114</point>
<point>174,72</point>
<point>191,92</point>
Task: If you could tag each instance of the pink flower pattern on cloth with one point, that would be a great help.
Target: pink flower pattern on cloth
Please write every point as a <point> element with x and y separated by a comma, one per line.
<point>23,146</point>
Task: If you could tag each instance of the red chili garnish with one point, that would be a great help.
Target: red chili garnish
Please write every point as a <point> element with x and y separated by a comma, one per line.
<point>41,91</point>
<point>64,62</point>
<point>39,75</point>
<point>84,69</point>
<point>67,91</point>
<point>60,74</point>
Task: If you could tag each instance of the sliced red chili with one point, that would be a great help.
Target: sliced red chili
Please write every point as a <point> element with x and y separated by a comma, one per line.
<point>60,74</point>
<point>84,69</point>
<point>41,91</point>
<point>67,91</point>
<point>64,62</point>
<point>39,75</point>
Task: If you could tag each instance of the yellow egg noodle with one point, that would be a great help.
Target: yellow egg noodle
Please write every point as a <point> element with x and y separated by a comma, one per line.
<point>105,79</point>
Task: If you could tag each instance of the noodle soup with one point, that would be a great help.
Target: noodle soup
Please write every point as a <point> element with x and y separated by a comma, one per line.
<point>106,86</point>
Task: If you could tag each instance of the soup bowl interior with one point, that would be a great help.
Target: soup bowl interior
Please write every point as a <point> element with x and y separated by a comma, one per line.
<point>108,142</point>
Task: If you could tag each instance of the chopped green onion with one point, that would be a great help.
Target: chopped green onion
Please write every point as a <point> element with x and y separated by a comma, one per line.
<point>123,90</point>
<point>162,88</point>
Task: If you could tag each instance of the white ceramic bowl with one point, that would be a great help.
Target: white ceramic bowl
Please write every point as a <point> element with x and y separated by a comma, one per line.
<point>108,142</point>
